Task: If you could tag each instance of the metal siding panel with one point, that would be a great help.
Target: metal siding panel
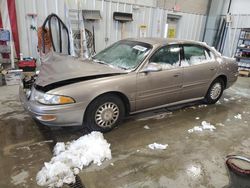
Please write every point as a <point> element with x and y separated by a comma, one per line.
<point>23,37</point>
<point>154,18</point>
<point>202,30</point>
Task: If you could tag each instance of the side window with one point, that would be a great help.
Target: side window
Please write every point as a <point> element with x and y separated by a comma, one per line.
<point>194,55</point>
<point>168,57</point>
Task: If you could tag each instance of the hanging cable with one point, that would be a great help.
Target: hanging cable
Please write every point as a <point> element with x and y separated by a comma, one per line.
<point>48,31</point>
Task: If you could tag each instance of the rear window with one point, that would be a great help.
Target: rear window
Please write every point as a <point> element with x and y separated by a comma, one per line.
<point>194,55</point>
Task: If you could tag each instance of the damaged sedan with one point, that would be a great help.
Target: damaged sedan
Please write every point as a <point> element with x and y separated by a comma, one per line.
<point>131,76</point>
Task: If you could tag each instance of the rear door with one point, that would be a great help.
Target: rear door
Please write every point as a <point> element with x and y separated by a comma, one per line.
<point>199,68</point>
<point>162,87</point>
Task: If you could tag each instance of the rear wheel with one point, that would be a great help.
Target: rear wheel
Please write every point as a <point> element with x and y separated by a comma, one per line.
<point>215,91</point>
<point>104,113</point>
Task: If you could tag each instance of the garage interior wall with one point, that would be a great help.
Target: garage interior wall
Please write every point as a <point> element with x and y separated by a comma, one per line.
<point>107,31</point>
<point>240,19</point>
<point>188,6</point>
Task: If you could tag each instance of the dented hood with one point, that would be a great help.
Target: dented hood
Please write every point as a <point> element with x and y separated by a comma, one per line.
<point>62,68</point>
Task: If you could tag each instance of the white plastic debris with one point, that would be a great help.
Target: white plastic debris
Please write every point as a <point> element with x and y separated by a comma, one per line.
<point>238,116</point>
<point>207,126</point>
<point>195,129</point>
<point>70,158</point>
<point>146,127</point>
<point>204,126</point>
<point>158,146</point>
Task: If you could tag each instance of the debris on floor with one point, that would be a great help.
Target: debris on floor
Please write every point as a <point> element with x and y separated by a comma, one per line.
<point>226,100</point>
<point>158,146</point>
<point>220,124</point>
<point>197,118</point>
<point>238,116</point>
<point>202,105</point>
<point>157,116</point>
<point>192,107</point>
<point>195,129</point>
<point>204,126</point>
<point>146,127</point>
<point>20,178</point>
<point>71,157</point>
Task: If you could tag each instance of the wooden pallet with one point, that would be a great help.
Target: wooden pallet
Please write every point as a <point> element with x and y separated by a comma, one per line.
<point>244,73</point>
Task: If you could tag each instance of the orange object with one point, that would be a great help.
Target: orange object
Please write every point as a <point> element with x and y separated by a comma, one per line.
<point>47,39</point>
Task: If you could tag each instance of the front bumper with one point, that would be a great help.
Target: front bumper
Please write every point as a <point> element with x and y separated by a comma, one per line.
<point>65,115</point>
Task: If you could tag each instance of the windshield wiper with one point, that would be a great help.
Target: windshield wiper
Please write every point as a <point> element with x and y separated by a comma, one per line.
<point>120,67</point>
<point>100,62</point>
<point>113,66</point>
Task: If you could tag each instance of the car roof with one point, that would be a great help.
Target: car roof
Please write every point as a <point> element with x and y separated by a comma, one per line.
<point>164,41</point>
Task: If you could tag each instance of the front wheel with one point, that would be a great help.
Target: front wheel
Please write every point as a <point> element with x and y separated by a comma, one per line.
<point>104,113</point>
<point>215,91</point>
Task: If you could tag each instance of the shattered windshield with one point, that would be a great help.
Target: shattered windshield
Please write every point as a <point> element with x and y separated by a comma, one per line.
<point>124,54</point>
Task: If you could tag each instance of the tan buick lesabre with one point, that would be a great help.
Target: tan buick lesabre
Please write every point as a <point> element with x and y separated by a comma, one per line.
<point>131,76</point>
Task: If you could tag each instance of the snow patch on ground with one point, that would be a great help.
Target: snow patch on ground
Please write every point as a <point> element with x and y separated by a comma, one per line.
<point>158,146</point>
<point>71,157</point>
<point>146,127</point>
<point>226,100</point>
<point>218,102</point>
<point>238,116</point>
<point>20,178</point>
<point>204,126</point>
<point>197,118</point>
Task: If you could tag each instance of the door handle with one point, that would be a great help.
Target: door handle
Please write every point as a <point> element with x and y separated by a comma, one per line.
<point>212,68</point>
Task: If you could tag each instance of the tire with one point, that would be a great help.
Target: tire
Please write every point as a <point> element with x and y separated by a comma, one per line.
<point>104,113</point>
<point>215,91</point>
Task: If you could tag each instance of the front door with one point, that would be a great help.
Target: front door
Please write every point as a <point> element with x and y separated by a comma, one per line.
<point>162,87</point>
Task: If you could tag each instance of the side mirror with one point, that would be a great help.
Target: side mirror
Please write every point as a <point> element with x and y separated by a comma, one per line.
<point>152,67</point>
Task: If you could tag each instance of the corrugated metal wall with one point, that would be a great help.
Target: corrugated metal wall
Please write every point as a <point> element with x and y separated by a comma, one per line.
<point>107,31</point>
<point>238,21</point>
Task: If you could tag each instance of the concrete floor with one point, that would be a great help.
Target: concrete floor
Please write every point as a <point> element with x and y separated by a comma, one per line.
<point>191,160</point>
